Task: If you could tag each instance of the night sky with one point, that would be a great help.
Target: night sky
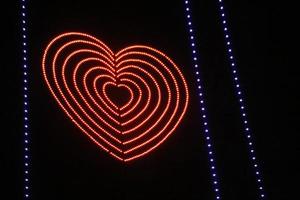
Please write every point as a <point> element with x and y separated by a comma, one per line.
<point>67,165</point>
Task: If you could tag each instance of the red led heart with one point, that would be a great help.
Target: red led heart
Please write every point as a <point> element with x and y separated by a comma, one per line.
<point>78,69</point>
<point>120,96</point>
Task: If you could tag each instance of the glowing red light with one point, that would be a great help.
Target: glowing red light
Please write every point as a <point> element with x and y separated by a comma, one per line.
<point>78,68</point>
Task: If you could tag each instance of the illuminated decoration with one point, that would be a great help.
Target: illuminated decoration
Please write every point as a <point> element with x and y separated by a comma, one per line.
<point>203,110</point>
<point>239,94</point>
<point>80,70</point>
<point>25,93</point>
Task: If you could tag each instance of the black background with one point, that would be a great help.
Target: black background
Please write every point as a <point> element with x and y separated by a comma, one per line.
<point>67,166</point>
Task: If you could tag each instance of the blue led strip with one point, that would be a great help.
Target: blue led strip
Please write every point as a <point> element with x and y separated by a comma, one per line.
<point>242,106</point>
<point>208,140</point>
<point>25,91</point>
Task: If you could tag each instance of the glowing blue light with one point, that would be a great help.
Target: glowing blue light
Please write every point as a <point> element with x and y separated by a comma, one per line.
<point>236,80</point>
<point>201,96</point>
<point>26,135</point>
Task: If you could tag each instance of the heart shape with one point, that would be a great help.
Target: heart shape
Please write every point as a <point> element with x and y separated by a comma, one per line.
<point>119,96</point>
<point>78,70</point>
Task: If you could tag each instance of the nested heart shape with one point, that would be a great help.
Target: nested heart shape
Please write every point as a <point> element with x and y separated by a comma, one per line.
<point>78,69</point>
<point>119,96</point>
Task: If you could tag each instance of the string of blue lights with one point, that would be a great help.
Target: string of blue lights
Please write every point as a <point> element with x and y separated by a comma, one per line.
<point>208,140</point>
<point>25,91</point>
<point>239,94</point>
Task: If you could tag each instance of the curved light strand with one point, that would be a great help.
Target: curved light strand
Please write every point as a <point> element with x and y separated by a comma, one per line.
<point>149,117</point>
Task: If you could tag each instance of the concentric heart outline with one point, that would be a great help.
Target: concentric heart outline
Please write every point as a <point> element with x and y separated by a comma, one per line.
<point>158,92</point>
<point>118,86</point>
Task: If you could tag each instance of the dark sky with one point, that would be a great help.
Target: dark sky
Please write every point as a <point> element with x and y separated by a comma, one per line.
<point>65,165</point>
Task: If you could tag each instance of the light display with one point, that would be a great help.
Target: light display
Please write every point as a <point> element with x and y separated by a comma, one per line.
<point>83,75</point>
<point>26,101</point>
<point>79,70</point>
<point>239,95</point>
<point>206,133</point>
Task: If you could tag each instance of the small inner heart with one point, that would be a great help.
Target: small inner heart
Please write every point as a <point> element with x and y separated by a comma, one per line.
<point>119,95</point>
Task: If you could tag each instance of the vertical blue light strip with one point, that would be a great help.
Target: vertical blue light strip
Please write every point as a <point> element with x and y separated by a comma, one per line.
<point>240,97</point>
<point>25,97</point>
<point>208,140</point>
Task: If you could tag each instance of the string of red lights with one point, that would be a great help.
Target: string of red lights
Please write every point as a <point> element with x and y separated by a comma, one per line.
<point>78,70</point>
